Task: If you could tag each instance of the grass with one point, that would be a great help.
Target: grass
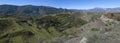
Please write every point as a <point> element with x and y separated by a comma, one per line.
<point>26,31</point>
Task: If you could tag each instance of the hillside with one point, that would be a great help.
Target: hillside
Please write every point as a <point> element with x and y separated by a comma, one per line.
<point>115,16</point>
<point>30,9</point>
<point>45,24</point>
<point>98,31</point>
<point>36,30</point>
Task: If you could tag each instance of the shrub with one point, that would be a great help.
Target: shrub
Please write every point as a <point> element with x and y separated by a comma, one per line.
<point>94,29</point>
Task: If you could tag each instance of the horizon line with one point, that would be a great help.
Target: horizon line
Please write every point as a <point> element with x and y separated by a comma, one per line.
<point>61,7</point>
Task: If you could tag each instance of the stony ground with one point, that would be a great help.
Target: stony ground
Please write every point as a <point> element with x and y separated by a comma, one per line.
<point>97,32</point>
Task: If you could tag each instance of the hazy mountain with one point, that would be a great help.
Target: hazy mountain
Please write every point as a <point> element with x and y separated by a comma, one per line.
<point>30,9</point>
<point>102,10</point>
<point>77,27</point>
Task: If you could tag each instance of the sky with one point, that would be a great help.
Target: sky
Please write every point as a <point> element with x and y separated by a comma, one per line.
<point>69,4</point>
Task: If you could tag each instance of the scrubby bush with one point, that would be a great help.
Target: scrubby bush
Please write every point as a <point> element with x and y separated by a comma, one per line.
<point>94,29</point>
<point>5,23</point>
<point>115,16</point>
<point>60,21</point>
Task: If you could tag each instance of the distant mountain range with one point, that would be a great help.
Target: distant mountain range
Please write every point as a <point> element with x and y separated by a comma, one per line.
<point>31,9</point>
<point>102,10</point>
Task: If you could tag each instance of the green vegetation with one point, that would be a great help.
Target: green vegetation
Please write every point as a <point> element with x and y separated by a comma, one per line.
<point>94,29</point>
<point>30,9</point>
<point>31,29</point>
<point>115,16</point>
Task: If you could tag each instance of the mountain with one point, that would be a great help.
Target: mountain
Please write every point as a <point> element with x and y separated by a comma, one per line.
<point>30,9</point>
<point>38,30</point>
<point>80,26</point>
<point>102,10</point>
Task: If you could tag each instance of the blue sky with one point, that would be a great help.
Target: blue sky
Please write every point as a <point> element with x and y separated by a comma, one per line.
<point>69,4</point>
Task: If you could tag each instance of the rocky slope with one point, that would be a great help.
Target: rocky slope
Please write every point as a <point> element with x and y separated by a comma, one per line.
<point>98,31</point>
<point>75,27</point>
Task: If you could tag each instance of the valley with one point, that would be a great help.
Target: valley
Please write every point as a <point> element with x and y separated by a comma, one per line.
<point>44,24</point>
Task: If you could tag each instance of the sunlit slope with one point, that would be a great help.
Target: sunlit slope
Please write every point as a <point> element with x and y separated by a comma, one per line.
<point>14,30</point>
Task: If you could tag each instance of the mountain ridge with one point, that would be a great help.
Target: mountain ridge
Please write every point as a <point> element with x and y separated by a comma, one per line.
<point>30,9</point>
<point>41,10</point>
<point>98,9</point>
